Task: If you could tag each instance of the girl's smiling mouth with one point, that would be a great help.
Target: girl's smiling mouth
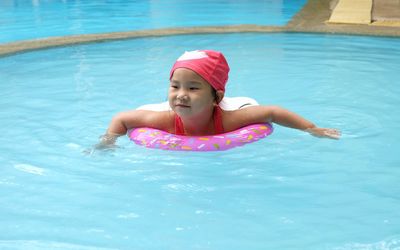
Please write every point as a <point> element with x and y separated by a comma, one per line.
<point>182,105</point>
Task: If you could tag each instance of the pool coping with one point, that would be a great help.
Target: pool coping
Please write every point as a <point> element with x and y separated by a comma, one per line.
<point>312,18</point>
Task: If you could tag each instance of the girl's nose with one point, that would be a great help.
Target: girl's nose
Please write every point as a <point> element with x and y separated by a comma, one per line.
<point>182,95</point>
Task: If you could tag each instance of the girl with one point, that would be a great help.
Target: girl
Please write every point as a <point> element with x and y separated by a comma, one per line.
<point>197,86</point>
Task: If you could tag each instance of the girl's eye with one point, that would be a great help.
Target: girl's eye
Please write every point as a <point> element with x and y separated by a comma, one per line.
<point>174,86</point>
<point>194,88</point>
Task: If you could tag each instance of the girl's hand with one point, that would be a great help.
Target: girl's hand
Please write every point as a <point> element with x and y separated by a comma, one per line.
<point>324,132</point>
<point>107,142</point>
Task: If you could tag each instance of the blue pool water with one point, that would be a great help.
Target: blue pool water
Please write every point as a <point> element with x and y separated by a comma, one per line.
<point>288,191</point>
<point>22,19</point>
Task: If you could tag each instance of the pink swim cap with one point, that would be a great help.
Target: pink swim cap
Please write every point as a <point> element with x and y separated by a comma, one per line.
<point>209,64</point>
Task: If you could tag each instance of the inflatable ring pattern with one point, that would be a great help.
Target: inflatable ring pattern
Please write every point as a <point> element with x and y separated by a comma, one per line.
<point>154,138</point>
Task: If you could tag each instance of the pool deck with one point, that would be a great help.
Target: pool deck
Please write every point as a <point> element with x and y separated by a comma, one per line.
<point>348,17</point>
<point>316,17</point>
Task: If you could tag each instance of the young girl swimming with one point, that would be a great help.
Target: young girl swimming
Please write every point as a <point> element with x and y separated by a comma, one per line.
<point>197,85</point>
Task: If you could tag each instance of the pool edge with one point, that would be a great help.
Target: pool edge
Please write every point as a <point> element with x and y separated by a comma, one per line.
<point>37,44</point>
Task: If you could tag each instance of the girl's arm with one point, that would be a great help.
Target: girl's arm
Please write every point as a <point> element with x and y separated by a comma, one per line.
<point>124,121</point>
<point>287,118</point>
<point>281,116</point>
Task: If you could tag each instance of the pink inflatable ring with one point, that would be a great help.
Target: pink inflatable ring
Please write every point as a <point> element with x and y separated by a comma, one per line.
<point>154,138</point>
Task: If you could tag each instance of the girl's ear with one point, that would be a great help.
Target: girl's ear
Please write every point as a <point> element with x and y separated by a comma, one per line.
<point>220,96</point>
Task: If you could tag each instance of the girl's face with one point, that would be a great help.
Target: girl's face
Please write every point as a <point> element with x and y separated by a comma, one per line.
<point>190,95</point>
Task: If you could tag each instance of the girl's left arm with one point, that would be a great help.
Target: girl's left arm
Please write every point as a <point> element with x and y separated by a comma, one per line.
<point>290,119</point>
<point>283,117</point>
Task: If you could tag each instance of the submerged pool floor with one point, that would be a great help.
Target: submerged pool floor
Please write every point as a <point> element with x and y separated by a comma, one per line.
<point>288,191</point>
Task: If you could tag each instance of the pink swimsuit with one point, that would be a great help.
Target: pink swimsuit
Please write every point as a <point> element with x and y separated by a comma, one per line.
<point>217,116</point>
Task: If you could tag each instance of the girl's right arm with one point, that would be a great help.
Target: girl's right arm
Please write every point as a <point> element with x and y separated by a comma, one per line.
<point>123,121</point>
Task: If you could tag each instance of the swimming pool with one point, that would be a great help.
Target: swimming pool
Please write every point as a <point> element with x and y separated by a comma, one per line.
<point>22,20</point>
<point>289,191</point>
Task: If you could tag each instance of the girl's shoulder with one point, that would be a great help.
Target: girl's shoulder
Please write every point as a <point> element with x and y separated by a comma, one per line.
<point>163,120</point>
<point>234,119</point>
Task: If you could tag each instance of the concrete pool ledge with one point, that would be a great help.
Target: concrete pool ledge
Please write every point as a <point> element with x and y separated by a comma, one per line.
<point>312,18</point>
<point>29,45</point>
